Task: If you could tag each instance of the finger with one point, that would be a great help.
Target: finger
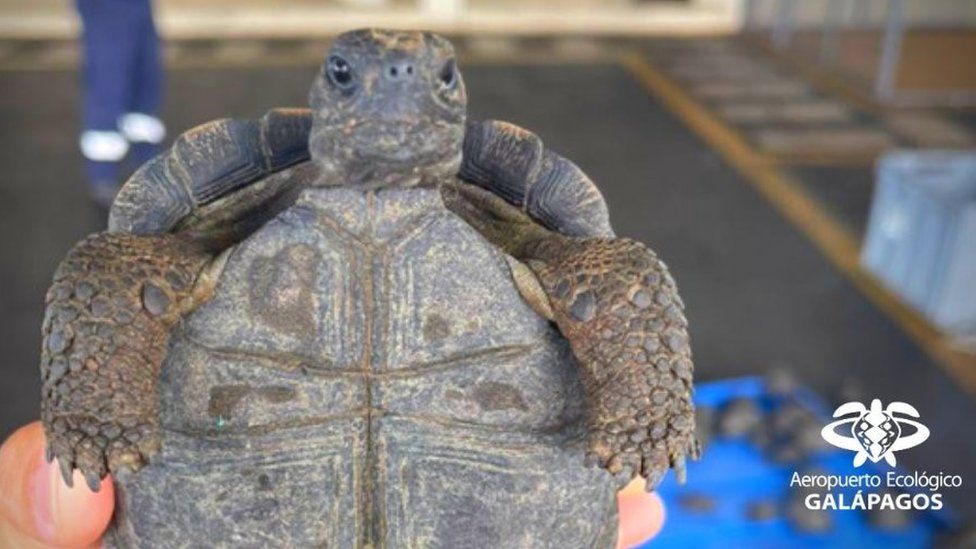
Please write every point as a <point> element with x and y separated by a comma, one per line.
<point>641,514</point>
<point>37,504</point>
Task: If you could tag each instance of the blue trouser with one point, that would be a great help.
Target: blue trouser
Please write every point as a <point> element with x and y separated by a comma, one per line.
<point>122,69</point>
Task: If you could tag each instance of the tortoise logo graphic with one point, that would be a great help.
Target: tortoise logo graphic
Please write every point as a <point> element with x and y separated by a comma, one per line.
<point>875,433</point>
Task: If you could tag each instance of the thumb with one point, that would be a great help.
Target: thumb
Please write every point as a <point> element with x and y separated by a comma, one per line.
<point>37,506</point>
<point>641,514</point>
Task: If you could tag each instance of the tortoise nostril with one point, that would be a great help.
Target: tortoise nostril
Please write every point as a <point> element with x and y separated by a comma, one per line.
<point>399,70</point>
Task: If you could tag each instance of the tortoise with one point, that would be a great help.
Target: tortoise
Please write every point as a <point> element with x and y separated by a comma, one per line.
<point>368,323</point>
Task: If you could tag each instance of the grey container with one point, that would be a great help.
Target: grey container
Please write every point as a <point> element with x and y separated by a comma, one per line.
<point>953,303</point>
<point>921,237</point>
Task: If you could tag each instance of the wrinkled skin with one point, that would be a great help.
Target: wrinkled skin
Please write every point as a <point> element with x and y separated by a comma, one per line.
<point>388,110</point>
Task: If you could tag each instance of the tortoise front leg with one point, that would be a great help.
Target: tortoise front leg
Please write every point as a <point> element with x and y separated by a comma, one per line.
<point>117,295</point>
<point>114,300</point>
<point>618,307</point>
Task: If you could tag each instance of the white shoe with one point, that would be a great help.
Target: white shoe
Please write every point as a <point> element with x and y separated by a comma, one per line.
<point>103,146</point>
<point>142,128</point>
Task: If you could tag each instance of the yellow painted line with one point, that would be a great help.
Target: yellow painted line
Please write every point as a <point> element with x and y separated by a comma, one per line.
<point>837,243</point>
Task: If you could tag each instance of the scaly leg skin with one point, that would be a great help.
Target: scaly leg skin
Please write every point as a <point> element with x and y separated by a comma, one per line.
<point>618,307</point>
<point>114,300</point>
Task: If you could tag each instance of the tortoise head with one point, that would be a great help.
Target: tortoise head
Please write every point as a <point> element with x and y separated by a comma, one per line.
<point>388,109</point>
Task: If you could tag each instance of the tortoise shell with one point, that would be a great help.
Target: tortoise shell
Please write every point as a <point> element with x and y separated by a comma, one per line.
<point>367,374</point>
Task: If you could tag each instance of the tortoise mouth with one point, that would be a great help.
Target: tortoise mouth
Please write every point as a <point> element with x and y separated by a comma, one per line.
<point>394,143</point>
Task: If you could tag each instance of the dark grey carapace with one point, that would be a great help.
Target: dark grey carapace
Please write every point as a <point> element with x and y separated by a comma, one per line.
<point>368,324</point>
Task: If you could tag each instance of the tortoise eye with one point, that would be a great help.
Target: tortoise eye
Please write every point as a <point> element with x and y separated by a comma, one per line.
<point>340,73</point>
<point>448,75</point>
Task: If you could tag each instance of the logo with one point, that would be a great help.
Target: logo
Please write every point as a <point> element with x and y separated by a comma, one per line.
<point>874,433</point>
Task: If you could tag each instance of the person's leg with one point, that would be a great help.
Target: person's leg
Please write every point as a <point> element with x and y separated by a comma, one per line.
<point>141,124</point>
<point>107,42</point>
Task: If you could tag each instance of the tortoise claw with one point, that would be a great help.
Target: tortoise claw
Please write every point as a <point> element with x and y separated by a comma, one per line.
<point>678,463</point>
<point>695,450</point>
<point>653,468</point>
<point>654,479</point>
<point>93,481</point>
<point>67,473</point>
<point>94,456</point>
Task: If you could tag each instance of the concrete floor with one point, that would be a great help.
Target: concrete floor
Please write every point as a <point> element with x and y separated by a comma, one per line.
<point>759,296</point>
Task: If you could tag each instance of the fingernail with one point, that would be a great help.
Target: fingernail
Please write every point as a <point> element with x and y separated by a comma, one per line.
<point>76,515</point>
<point>42,493</point>
<point>59,509</point>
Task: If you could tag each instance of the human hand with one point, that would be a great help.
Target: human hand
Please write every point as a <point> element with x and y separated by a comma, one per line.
<point>38,510</point>
<point>641,514</point>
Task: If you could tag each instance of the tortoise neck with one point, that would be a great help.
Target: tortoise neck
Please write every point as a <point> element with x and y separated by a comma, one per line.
<point>374,215</point>
<point>375,176</point>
